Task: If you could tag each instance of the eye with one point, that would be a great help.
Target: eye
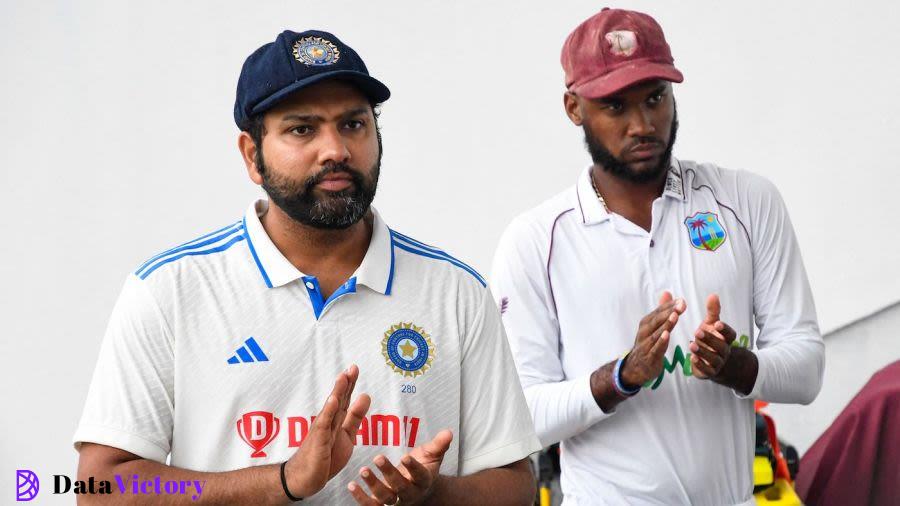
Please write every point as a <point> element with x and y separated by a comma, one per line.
<point>355,124</point>
<point>302,130</point>
<point>614,106</point>
<point>655,99</point>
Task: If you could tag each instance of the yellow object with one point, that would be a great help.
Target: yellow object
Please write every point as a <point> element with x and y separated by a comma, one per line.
<point>545,496</point>
<point>762,472</point>
<point>780,494</point>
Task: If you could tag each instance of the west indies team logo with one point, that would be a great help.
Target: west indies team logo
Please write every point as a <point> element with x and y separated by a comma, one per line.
<point>407,349</point>
<point>705,231</point>
<point>316,51</point>
<point>621,42</point>
<point>258,429</point>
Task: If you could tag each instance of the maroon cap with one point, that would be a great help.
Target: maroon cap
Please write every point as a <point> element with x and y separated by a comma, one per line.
<point>614,49</point>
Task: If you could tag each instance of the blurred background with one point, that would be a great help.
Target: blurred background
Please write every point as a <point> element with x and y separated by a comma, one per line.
<point>118,142</point>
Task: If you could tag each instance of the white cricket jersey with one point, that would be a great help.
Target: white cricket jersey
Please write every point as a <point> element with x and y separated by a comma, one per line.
<point>573,282</point>
<point>219,353</point>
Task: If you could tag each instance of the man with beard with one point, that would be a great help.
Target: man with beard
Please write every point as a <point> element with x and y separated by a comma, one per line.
<point>217,373</point>
<point>691,254</point>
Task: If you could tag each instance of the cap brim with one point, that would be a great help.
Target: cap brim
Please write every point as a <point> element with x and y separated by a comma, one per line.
<point>626,76</point>
<point>368,85</point>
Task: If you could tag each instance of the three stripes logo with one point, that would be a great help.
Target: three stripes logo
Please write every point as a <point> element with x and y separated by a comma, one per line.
<point>248,353</point>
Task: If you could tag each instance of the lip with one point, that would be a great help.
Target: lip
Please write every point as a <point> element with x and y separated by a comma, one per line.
<point>335,183</point>
<point>646,150</point>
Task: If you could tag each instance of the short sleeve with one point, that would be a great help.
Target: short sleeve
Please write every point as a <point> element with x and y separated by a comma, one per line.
<point>495,424</point>
<point>130,401</point>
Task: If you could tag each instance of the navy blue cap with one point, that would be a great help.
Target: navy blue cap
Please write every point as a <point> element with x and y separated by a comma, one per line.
<point>294,61</point>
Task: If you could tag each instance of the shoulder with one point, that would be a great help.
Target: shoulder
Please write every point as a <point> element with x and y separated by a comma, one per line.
<point>535,227</point>
<point>737,186</point>
<point>428,260</point>
<point>206,251</point>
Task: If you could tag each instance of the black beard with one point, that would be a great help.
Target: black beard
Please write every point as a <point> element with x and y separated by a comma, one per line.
<point>332,211</point>
<point>602,157</point>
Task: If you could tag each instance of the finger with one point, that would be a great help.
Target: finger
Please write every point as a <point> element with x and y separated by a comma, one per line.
<point>341,383</point>
<point>726,331</point>
<point>710,332</point>
<point>361,498</point>
<point>661,345</point>
<point>392,476</point>
<point>662,310</point>
<point>715,342</point>
<point>417,474</point>
<point>657,318</point>
<point>349,382</point>
<point>665,298</point>
<point>380,491</point>
<point>711,359</point>
<point>698,368</point>
<point>666,325</point>
<point>322,424</point>
<point>713,308</point>
<point>436,448</point>
<point>356,413</point>
<point>352,377</point>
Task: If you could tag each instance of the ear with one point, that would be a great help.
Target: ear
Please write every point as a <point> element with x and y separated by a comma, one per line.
<point>573,107</point>
<point>248,151</point>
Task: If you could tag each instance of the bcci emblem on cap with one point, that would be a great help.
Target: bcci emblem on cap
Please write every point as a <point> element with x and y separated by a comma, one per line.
<point>407,349</point>
<point>316,51</point>
<point>705,231</point>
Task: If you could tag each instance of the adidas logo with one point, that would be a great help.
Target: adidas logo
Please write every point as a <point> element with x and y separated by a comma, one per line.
<point>248,353</point>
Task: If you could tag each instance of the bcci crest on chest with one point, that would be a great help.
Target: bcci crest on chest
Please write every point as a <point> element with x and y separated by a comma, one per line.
<point>407,349</point>
<point>705,231</point>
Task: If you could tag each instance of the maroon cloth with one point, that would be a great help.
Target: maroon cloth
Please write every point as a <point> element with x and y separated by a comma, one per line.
<point>857,460</point>
<point>614,49</point>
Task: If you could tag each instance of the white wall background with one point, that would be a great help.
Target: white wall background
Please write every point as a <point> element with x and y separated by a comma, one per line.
<point>118,141</point>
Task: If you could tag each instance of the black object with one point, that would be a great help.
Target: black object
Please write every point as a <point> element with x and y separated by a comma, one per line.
<point>285,487</point>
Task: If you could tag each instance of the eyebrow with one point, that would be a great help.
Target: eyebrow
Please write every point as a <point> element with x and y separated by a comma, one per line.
<point>617,99</point>
<point>310,118</point>
<point>658,90</point>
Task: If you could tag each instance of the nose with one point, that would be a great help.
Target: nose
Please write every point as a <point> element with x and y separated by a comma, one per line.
<point>332,147</point>
<point>640,123</point>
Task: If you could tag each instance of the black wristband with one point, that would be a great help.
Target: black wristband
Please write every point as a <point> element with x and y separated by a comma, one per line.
<point>285,487</point>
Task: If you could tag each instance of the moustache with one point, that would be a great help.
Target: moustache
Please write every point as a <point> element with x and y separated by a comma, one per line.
<point>643,142</point>
<point>336,168</point>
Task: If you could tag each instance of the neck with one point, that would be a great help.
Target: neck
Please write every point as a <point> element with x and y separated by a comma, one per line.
<point>629,199</point>
<point>319,252</point>
<point>619,192</point>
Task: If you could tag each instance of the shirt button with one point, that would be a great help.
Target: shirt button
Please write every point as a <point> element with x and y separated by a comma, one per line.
<point>652,243</point>
<point>310,285</point>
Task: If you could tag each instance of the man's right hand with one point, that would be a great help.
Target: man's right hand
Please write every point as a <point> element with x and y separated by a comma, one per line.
<point>329,444</point>
<point>645,361</point>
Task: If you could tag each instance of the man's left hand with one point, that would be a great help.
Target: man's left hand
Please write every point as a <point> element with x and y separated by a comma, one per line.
<point>412,483</point>
<point>711,347</point>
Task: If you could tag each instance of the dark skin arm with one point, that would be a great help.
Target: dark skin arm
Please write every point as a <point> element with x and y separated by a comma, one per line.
<point>713,357</point>
<point>645,360</point>
<point>416,480</point>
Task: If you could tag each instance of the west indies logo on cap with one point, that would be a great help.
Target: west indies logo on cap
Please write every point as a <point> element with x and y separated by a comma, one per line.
<point>316,51</point>
<point>621,42</point>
